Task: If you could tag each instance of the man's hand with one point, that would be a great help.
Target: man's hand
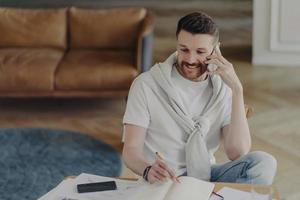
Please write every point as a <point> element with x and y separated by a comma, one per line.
<point>225,70</point>
<point>237,139</point>
<point>160,172</point>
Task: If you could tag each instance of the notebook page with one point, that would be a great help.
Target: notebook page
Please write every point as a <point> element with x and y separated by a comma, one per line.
<point>155,191</point>
<point>190,188</point>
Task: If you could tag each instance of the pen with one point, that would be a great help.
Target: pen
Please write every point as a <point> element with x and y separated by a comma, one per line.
<point>162,159</point>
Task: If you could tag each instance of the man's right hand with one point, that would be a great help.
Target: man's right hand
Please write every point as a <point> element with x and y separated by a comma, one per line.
<point>160,172</point>
<point>134,160</point>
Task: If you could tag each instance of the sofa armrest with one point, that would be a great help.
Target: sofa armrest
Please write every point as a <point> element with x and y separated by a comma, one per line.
<point>145,43</point>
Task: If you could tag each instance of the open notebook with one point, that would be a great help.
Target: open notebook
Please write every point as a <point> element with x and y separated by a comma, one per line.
<point>189,188</point>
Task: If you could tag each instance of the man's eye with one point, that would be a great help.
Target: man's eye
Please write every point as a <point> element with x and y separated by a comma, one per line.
<point>200,52</point>
<point>184,50</point>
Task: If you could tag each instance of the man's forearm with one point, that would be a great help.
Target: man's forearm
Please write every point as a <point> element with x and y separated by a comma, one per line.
<point>238,140</point>
<point>134,161</point>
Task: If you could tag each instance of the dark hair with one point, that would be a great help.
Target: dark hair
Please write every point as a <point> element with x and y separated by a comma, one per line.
<point>198,22</point>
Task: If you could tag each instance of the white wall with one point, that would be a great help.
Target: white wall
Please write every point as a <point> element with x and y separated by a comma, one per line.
<point>276,32</point>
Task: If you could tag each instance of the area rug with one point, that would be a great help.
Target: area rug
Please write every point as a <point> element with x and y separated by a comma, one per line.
<point>34,160</point>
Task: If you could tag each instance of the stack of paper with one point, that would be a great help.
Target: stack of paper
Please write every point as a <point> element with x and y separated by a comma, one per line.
<point>67,189</point>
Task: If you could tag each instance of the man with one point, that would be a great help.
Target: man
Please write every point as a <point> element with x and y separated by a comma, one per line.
<point>180,109</point>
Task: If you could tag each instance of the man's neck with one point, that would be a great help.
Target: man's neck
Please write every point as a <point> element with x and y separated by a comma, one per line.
<point>201,78</point>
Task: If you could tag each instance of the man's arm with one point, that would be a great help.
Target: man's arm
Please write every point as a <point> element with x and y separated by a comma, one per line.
<point>133,156</point>
<point>237,139</point>
<point>133,148</point>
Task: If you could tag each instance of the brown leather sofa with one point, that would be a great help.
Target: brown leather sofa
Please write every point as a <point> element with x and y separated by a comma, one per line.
<point>73,52</point>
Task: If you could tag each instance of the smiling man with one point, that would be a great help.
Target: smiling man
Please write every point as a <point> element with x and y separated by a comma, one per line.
<point>181,109</point>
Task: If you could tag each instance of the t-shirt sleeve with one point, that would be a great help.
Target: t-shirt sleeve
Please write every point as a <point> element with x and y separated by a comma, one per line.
<point>137,112</point>
<point>228,106</point>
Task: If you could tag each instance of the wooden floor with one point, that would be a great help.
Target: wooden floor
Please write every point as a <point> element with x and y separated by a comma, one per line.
<point>274,92</point>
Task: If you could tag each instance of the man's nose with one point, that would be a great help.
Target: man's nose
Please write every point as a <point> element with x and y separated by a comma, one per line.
<point>191,59</point>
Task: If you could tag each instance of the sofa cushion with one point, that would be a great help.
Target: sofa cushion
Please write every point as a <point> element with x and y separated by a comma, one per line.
<point>33,27</point>
<point>109,28</point>
<point>28,69</point>
<point>95,70</point>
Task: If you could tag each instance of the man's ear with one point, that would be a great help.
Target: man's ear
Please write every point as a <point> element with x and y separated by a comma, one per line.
<point>218,45</point>
<point>217,50</point>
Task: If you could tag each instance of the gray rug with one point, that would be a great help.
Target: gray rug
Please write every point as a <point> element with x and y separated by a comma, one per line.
<point>33,160</point>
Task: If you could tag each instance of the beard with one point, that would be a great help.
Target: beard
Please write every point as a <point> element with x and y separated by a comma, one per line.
<point>201,67</point>
<point>193,72</point>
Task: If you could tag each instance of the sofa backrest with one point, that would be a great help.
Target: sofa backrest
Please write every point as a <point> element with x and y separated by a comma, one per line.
<point>105,28</point>
<point>33,27</point>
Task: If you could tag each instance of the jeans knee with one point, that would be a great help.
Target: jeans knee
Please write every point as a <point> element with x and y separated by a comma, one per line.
<point>265,159</point>
<point>266,166</point>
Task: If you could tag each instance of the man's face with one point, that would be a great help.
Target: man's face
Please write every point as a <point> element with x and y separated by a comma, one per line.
<point>192,51</point>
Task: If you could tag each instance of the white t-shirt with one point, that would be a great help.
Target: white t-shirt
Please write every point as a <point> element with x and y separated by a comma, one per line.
<point>146,111</point>
<point>194,95</point>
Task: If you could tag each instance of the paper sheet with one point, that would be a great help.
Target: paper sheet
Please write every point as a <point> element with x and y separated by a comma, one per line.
<point>234,194</point>
<point>65,187</point>
<point>67,190</point>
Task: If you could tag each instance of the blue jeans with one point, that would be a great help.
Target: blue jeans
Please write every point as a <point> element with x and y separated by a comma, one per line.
<point>255,167</point>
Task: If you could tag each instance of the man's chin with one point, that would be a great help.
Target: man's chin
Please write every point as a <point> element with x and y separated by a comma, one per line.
<point>191,74</point>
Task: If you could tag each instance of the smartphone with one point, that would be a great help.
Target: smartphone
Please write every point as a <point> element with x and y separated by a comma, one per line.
<point>96,187</point>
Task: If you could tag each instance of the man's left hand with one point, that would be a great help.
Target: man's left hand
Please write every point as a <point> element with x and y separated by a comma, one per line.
<point>225,70</point>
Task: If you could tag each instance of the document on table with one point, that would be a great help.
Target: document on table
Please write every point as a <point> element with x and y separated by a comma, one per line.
<point>67,189</point>
<point>234,194</point>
